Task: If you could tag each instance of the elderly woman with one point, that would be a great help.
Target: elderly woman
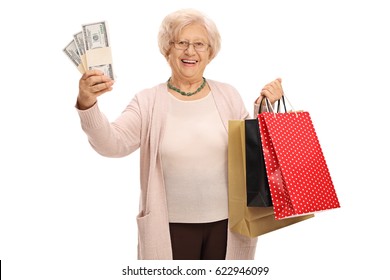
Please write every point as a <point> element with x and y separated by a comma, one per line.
<point>180,127</point>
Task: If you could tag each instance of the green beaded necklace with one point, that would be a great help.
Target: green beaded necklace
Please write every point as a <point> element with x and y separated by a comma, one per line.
<point>186,93</point>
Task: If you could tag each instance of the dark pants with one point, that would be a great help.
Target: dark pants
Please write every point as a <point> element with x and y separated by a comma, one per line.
<point>203,241</point>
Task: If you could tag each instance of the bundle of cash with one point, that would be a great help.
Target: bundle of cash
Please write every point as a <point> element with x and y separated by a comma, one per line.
<point>90,49</point>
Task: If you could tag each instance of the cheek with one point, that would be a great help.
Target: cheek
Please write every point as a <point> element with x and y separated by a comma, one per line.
<point>170,60</point>
<point>207,60</point>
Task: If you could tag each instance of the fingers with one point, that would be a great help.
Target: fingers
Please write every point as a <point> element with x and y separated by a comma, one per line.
<point>273,90</point>
<point>101,87</point>
<point>92,84</point>
<point>94,77</point>
<point>97,83</point>
<point>90,73</point>
<point>94,81</point>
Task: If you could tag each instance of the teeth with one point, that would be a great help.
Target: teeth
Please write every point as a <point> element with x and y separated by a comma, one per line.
<point>189,61</point>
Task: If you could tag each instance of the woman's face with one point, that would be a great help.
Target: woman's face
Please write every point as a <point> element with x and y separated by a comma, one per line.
<point>190,64</point>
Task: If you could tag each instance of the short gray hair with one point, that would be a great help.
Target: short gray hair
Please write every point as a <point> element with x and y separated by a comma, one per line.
<point>173,23</point>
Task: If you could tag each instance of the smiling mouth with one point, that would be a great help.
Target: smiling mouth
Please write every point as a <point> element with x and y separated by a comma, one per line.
<point>186,61</point>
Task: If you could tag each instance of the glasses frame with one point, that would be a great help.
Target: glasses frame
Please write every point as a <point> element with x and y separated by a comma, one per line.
<point>176,46</point>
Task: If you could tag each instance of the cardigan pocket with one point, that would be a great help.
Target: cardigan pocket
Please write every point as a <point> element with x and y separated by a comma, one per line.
<point>147,249</point>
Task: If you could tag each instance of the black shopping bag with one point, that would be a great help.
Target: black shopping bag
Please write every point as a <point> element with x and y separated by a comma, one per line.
<point>257,188</point>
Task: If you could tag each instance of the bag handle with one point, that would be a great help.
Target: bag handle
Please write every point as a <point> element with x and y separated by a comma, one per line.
<point>268,105</point>
<point>284,105</point>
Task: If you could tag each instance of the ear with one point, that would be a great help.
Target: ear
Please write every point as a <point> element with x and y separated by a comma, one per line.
<point>168,56</point>
<point>210,58</point>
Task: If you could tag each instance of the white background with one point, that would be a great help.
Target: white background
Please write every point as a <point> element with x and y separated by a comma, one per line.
<point>68,213</point>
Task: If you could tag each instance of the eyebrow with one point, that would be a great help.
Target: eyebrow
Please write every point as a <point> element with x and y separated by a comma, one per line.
<point>196,40</point>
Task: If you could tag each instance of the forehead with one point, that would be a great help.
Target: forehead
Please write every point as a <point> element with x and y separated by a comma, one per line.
<point>193,32</point>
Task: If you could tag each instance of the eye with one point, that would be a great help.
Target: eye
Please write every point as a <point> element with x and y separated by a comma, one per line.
<point>199,44</point>
<point>182,43</point>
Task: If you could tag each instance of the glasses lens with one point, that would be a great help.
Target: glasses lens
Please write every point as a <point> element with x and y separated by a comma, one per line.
<point>183,45</point>
<point>199,46</point>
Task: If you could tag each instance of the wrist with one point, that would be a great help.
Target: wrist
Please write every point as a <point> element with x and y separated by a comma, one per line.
<point>84,104</point>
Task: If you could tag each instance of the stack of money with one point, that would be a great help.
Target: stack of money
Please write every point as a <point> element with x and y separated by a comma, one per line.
<point>90,49</point>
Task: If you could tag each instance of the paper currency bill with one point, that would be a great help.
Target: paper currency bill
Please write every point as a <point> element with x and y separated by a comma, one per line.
<point>79,40</point>
<point>97,47</point>
<point>72,52</point>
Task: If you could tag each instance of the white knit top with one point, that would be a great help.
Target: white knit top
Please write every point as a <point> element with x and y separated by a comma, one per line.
<point>194,160</point>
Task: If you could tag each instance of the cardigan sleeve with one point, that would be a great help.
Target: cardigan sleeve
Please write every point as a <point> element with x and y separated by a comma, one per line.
<point>113,139</point>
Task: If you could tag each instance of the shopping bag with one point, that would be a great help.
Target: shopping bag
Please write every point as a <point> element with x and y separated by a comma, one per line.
<point>298,175</point>
<point>248,221</point>
<point>257,188</point>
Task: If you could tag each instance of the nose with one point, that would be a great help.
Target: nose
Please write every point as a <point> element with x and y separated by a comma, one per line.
<point>190,49</point>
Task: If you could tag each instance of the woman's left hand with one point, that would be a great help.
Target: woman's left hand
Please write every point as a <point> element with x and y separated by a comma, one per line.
<point>273,91</point>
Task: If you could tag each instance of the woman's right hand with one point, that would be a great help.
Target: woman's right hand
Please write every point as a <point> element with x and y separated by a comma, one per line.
<point>92,84</point>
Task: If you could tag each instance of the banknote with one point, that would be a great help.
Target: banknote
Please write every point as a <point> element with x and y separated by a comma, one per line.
<point>72,52</point>
<point>79,41</point>
<point>97,47</point>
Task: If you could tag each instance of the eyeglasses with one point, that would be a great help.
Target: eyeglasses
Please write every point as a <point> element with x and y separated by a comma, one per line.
<point>183,45</point>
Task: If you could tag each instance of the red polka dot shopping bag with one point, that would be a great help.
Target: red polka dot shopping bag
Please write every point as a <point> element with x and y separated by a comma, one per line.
<point>298,175</point>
